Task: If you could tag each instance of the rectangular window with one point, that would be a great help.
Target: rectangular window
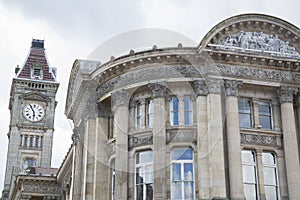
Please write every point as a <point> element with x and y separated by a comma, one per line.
<point>37,142</point>
<point>174,117</point>
<point>31,141</point>
<point>30,162</point>
<point>245,113</point>
<point>187,111</point>
<point>41,141</point>
<point>144,176</point>
<point>249,174</point>
<point>150,113</point>
<point>182,174</point>
<point>25,141</point>
<point>265,116</point>
<point>138,113</point>
<point>21,140</point>
<point>270,176</point>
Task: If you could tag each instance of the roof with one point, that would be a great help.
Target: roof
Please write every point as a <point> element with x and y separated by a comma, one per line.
<point>37,57</point>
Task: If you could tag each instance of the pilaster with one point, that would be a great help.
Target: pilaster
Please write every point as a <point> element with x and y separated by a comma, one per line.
<point>234,140</point>
<point>291,149</point>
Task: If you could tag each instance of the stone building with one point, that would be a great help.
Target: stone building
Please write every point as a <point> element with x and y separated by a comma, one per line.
<point>215,121</point>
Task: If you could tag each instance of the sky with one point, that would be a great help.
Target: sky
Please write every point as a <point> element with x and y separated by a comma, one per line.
<point>73,29</point>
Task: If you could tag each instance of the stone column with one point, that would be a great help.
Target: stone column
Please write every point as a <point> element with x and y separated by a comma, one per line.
<point>101,174</point>
<point>234,140</point>
<point>291,149</point>
<point>201,92</point>
<point>159,140</point>
<point>121,114</point>
<point>215,140</point>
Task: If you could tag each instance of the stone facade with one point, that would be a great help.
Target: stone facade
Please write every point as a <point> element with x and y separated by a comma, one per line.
<point>217,121</point>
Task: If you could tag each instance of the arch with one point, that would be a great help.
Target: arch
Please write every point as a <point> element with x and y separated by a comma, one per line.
<point>253,23</point>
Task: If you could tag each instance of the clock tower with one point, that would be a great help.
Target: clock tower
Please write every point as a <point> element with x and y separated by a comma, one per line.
<point>32,107</point>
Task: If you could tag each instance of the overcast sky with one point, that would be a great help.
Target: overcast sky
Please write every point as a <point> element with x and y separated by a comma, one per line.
<point>73,29</point>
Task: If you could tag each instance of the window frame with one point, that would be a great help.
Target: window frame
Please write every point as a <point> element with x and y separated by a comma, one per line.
<point>143,165</point>
<point>112,178</point>
<point>172,112</point>
<point>138,115</point>
<point>251,114</point>
<point>268,115</point>
<point>189,111</point>
<point>182,180</point>
<point>149,112</point>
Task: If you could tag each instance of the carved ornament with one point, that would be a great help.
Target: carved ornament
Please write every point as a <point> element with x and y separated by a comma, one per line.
<point>232,87</point>
<point>258,139</point>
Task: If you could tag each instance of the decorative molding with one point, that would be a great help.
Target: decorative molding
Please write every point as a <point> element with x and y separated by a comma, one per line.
<point>258,41</point>
<point>214,85</point>
<point>181,136</point>
<point>41,187</point>
<point>258,139</point>
<point>158,89</point>
<point>200,87</point>
<point>120,98</point>
<point>232,87</point>
<point>286,94</point>
<point>255,73</point>
<point>75,136</point>
<point>139,140</point>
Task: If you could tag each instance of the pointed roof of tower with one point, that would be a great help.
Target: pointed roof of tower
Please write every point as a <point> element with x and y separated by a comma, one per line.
<point>36,66</point>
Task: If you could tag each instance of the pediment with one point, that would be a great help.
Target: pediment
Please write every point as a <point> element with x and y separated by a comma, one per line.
<point>255,34</point>
<point>35,96</point>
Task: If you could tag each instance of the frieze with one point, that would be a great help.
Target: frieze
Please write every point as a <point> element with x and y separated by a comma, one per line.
<point>258,139</point>
<point>270,44</point>
<point>41,187</point>
<point>256,73</point>
<point>181,136</point>
<point>140,140</point>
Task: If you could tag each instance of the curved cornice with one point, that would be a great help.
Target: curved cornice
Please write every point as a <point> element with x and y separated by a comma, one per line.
<point>253,23</point>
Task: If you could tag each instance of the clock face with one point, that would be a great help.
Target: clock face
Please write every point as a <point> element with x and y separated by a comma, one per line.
<point>33,112</point>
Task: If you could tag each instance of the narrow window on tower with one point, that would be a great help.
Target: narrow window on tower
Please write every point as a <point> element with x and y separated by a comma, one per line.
<point>144,176</point>
<point>37,142</point>
<point>36,71</point>
<point>174,117</point>
<point>25,141</point>
<point>182,174</point>
<point>31,141</point>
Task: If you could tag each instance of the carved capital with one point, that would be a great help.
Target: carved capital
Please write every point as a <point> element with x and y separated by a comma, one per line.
<point>158,89</point>
<point>286,94</point>
<point>232,87</point>
<point>214,85</point>
<point>200,88</point>
<point>120,98</point>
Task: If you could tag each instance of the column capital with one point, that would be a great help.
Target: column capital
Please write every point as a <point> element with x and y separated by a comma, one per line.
<point>286,94</point>
<point>232,87</point>
<point>214,85</point>
<point>200,87</point>
<point>120,98</point>
<point>158,89</point>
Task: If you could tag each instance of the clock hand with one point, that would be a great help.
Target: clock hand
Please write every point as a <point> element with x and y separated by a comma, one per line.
<point>32,111</point>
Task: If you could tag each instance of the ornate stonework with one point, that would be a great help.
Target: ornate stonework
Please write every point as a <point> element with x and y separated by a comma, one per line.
<point>181,136</point>
<point>258,41</point>
<point>232,87</point>
<point>158,89</point>
<point>139,140</point>
<point>258,139</point>
<point>120,98</point>
<point>286,94</point>
<point>200,88</point>
<point>214,85</point>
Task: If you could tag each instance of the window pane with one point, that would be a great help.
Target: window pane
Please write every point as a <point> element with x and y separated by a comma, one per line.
<point>249,174</point>
<point>264,108</point>
<point>271,192</point>
<point>188,172</point>
<point>250,192</point>
<point>268,158</point>
<point>139,175</point>
<point>245,120</point>
<point>244,106</point>
<point>187,103</point>
<point>149,174</point>
<point>174,104</point>
<point>182,154</point>
<point>189,190</point>
<point>139,192</point>
<point>175,118</point>
<point>265,121</point>
<point>176,191</point>
<point>176,172</point>
<point>269,176</point>
<point>187,118</point>
<point>248,157</point>
<point>149,191</point>
<point>143,157</point>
